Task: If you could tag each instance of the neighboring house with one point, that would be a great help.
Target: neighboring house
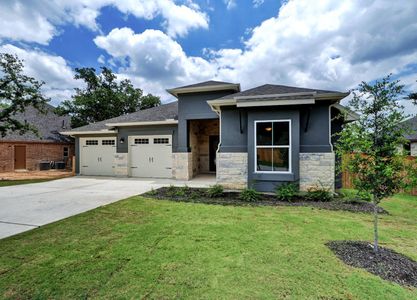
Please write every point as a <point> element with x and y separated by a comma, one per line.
<point>27,151</point>
<point>411,147</point>
<point>261,137</point>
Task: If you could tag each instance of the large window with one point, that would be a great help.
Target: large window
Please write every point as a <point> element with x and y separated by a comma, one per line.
<point>273,146</point>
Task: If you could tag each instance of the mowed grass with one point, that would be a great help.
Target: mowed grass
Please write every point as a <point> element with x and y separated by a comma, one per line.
<point>143,248</point>
<point>23,181</point>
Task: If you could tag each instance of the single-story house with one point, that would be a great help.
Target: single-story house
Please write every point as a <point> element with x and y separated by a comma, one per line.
<point>261,137</point>
<point>27,151</point>
<point>411,125</point>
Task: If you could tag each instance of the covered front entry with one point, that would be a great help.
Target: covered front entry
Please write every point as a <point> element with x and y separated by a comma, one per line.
<point>97,156</point>
<point>151,156</point>
<point>203,142</point>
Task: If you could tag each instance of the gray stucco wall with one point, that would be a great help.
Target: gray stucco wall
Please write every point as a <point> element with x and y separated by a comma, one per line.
<point>234,130</point>
<point>194,107</point>
<point>314,128</point>
<point>125,132</point>
<point>267,181</point>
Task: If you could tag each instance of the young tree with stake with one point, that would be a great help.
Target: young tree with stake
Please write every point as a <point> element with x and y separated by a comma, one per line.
<point>372,143</point>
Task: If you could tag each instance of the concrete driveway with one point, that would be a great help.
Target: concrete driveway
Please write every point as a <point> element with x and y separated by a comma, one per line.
<point>24,207</point>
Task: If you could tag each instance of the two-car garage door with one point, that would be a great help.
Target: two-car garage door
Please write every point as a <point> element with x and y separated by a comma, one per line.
<point>97,156</point>
<point>151,156</point>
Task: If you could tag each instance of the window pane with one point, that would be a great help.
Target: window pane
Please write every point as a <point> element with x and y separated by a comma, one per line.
<point>264,159</point>
<point>264,133</point>
<point>281,133</point>
<point>281,159</point>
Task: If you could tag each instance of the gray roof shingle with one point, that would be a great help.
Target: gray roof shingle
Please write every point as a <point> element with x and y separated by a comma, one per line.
<point>48,125</point>
<point>158,113</point>
<point>203,84</point>
<point>272,89</point>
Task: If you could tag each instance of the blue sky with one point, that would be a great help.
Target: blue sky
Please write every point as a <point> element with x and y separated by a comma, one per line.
<point>159,44</point>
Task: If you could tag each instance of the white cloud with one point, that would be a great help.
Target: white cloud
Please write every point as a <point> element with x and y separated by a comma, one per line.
<point>53,70</point>
<point>39,21</point>
<point>257,3</point>
<point>230,3</point>
<point>329,45</point>
<point>155,60</point>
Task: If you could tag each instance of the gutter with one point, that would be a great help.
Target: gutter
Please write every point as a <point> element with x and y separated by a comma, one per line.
<point>75,133</point>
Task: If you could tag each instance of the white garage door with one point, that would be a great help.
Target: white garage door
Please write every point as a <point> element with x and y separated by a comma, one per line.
<point>97,155</point>
<point>151,156</point>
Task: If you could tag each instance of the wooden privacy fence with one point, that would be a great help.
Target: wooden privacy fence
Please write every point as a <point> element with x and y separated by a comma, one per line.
<point>347,177</point>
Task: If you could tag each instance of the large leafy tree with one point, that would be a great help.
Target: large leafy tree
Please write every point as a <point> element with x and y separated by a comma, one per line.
<point>103,97</point>
<point>17,91</point>
<point>372,142</point>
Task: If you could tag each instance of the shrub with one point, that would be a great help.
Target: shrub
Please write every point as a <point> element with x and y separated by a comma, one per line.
<point>319,193</point>
<point>215,191</point>
<point>152,192</point>
<point>172,191</point>
<point>249,195</point>
<point>351,195</point>
<point>181,191</point>
<point>286,192</point>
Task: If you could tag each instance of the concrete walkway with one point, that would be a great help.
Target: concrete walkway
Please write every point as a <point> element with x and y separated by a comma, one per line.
<point>24,207</point>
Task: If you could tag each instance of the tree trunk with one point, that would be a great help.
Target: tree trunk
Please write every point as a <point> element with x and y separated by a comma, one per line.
<point>375,226</point>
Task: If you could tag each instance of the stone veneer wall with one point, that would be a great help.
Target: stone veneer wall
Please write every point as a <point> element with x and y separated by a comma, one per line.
<point>182,165</point>
<point>120,167</point>
<point>232,170</point>
<point>317,169</point>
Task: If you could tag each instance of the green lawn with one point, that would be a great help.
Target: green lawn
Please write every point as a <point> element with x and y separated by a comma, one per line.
<point>23,181</point>
<point>142,248</point>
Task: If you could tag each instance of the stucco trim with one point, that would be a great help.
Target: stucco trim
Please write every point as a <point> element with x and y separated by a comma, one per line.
<point>145,123</point>
<point>76,133</point>
<point>274,102</point>
<point>211,88</point>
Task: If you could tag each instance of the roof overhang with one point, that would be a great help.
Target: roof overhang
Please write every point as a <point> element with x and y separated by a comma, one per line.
<point>349,115</point>
<point>210,88</point>
<point>145,123</point>
<point>89,132</point>
<point>277,99</point>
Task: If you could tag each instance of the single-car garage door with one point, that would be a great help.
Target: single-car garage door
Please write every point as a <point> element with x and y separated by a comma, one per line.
<point>97,155</point>
<point>151,156</point>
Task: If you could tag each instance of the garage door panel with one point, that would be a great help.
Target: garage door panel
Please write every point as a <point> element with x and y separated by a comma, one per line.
<point>97,155</point>
<point>151,156</point>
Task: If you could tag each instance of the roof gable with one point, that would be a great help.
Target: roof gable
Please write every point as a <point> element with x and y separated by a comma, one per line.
<point>163,112</point>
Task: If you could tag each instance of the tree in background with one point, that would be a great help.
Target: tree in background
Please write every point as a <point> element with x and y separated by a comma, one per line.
<point>372,143</point>
<point>103,97</point>
<point>17,91</point>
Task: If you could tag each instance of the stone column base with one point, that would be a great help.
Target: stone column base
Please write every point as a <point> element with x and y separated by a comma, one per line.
<point>182,166</point>
<point>120,165</point>
<point>317,170</point>
<point>232,170</point>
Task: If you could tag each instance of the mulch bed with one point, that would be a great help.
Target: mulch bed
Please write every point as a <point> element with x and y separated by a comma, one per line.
<point>199,195</point>
<point>388,264</point>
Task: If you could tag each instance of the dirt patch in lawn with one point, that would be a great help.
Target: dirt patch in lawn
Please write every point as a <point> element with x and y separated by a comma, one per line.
<point>28,175</point>
<point>199,195</point>
<point>388,264</point>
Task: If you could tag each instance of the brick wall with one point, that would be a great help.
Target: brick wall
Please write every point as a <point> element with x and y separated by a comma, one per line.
<point>35,152</point>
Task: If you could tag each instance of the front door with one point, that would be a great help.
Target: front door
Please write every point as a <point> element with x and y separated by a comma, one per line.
<point>213,144</point>
<point>19,157</point>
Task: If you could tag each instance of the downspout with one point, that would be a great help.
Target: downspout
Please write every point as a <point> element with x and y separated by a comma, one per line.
<point>330,126</point>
